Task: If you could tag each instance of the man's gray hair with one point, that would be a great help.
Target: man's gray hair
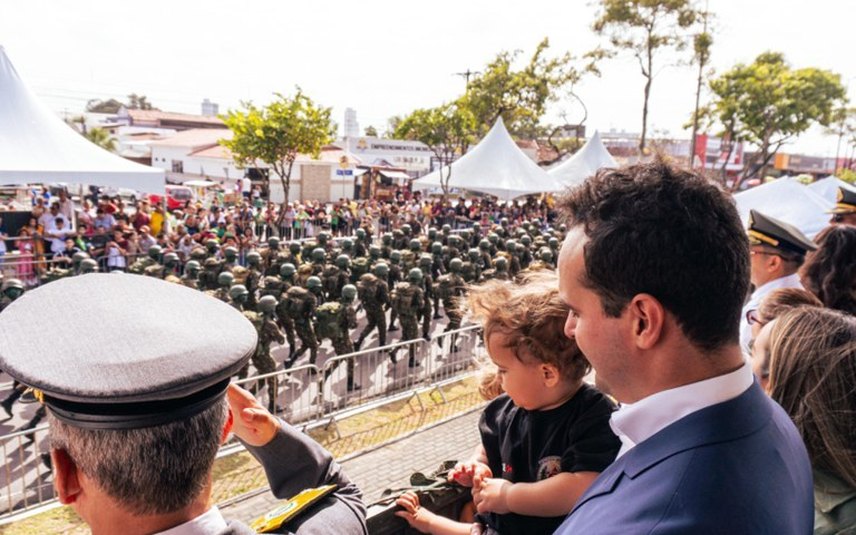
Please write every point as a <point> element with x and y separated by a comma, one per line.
<point>153,470</point>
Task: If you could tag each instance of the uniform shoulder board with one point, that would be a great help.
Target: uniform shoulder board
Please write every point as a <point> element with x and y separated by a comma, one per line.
<point>290,509</point>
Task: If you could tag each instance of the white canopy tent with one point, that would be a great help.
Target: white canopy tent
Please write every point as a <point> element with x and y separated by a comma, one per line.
<point>584,163</point>
<point>36,146</point>
<point>495,166</point>
<point>828,187</point>
<point>789,200</point>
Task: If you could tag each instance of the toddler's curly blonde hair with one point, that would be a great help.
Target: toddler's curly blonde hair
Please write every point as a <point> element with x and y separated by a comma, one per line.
<point>532,317</point>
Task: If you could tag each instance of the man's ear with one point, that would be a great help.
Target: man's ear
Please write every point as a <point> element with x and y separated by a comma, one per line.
<point>66,476</point>
<point>648,318</point>
<point>550,375</point>
<point>227,428</point>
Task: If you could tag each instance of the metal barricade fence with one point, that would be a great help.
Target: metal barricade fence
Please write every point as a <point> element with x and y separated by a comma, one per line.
<point>305,395</point>
<point>26,477</point>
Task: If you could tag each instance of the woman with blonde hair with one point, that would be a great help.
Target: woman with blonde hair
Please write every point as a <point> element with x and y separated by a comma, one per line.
<point>813,365</point>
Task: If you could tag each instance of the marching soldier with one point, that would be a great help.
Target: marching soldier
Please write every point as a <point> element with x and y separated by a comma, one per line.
<point>374,296</point>
<point>152,258</point>
<point>230,255</point>
<point>301,305</point>
<point>286,275</point>
<point>450,287</point>
<point>335,321</point>
<point>253,278</point>
<point>225,281</point>
<point>208,277</point>
<point>428,287</point>
<point>191,275</point>
<point>408,300</point>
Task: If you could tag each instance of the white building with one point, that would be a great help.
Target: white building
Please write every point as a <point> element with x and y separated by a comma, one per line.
<point>196,154</point>
<point>351,128</point>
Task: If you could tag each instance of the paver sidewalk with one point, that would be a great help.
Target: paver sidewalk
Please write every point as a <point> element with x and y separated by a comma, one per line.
<point>389,466</point>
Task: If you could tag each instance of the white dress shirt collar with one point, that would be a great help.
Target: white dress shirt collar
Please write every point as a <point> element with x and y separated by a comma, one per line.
<point>634,423</point>
<point>211,521</point>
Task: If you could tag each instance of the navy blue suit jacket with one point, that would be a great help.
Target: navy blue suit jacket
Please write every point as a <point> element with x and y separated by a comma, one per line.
<point>738,467</point>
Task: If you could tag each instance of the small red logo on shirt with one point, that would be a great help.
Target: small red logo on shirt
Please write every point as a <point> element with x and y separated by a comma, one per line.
<point>506,468</point>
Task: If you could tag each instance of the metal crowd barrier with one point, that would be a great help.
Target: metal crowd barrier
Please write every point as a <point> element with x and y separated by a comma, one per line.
<point>307,395</point>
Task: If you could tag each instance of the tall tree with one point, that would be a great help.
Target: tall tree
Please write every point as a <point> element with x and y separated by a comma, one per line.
<point>768,104</point>
<point>843,126</point>
<point>102,138</point>
<point>521,96</point>
<point>645,28</point>
<point>371,131</point>
<point>702,43</point>
<point>275,134</point>
<point>447,130</point>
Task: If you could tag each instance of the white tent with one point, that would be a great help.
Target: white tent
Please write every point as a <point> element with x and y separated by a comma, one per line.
<point>584,163</point>
<point>828,187</point>
<point>36,146</point>
<point>789,200</point>
<point>495,166</point>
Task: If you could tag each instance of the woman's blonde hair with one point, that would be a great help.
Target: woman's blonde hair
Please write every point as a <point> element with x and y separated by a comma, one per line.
<point>813,363</point>
<point>532,317</point>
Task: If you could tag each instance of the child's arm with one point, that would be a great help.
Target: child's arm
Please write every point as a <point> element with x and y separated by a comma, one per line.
<point>425,521</point>
<point>554,496</point>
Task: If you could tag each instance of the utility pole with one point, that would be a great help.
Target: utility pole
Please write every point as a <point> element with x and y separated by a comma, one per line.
<point>702,47</point>
<point>466,75</point>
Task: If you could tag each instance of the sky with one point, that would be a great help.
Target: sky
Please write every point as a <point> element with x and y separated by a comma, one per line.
<point>386,58</point>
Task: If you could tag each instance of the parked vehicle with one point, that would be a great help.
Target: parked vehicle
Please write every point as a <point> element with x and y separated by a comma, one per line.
<point>176,197</point>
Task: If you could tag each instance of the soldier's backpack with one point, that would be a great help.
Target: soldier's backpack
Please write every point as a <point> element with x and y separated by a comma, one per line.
<point>359,267</point>
<point>298,300</point>
<point>367,287</point>
<point>303,274</point>
<point>240,273</point>
<point>402,299</point>
<point>330,279</point>
<point>445,287</point>
<point>329,320</point>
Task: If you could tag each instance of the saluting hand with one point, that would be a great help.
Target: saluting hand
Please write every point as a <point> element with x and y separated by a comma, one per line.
<point>252,423</point>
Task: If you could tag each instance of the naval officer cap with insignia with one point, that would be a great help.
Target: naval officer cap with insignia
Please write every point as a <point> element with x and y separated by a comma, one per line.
<point>778,237</point>
<point>844,212</point>
<point>135,374</point>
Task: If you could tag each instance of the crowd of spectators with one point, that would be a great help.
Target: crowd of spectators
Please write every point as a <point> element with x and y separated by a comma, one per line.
<point>115,232</point>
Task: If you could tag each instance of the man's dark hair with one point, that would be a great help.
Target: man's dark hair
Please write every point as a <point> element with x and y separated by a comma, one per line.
<point>669,233</point>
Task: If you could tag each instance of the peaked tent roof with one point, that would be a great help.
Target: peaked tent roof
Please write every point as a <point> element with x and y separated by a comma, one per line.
<point>36,146</point>
<point>495,166</point>
<point>828,187</point>
<point>789,200</point>
<point>584,163</point>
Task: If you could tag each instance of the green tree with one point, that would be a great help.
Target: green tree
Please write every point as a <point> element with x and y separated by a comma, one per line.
<point>139,102</point>
<point>768,104</point>
<point>102,138</point>
<point>371,131</point>
<point>521,96</point>
<point>275,134</point>
<point>645,28</point>
<point>103,106</point>
<point>447,130</point>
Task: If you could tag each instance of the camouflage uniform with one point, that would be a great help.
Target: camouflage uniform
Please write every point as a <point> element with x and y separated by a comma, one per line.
<point>300,307</point>
<point>374,296</point>
<point>450,287</point>
<point>343,318</point>
<point>408,300</point>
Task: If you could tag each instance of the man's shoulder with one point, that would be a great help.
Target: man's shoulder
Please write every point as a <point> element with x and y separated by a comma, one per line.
<point>712,470</point>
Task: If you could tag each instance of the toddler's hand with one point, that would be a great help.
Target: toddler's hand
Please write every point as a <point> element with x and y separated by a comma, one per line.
<point>464,472</point>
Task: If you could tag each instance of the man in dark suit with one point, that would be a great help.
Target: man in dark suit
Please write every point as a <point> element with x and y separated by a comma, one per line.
<point>655,268</point>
